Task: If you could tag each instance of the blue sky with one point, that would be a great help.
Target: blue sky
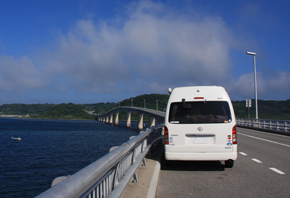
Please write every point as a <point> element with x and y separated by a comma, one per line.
<point>90,51</point>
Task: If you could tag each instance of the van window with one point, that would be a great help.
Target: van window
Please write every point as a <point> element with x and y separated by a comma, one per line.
<point>200,112</point>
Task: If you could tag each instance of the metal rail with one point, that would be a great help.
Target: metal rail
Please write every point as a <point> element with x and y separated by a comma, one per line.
<point>109,175</point>
<point>273,125</point>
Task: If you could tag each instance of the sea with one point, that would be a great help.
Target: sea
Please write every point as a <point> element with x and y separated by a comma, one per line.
<point>51,148</point>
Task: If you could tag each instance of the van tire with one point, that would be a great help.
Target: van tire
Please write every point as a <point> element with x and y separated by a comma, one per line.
<point>229,163</point>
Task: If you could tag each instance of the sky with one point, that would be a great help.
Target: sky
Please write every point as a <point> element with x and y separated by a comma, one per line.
<point>91,51</point>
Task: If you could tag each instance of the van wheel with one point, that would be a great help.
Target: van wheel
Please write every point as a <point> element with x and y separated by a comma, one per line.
<point>229,163</point>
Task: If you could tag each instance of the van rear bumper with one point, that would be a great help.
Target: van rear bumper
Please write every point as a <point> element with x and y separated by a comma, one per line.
<point>200,156</point>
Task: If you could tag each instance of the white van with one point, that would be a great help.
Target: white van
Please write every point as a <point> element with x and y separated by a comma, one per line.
<point>200,125</point>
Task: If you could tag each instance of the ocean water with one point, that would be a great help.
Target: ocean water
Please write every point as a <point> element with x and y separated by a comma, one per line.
<point>50,148</point>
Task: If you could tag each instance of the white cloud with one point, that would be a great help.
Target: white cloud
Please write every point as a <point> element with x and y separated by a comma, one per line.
<point>274,86</point>
<point>147,50</point>
<point>151,45</point>
<point>19,75</point>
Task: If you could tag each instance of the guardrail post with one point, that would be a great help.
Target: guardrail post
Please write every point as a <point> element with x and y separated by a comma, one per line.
<point>264,123</point>
<point>285,126</point>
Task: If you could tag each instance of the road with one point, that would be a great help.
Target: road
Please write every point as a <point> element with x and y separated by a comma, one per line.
<point>261,170</point>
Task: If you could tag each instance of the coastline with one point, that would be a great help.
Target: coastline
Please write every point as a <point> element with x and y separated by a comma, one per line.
<point>29,117</point>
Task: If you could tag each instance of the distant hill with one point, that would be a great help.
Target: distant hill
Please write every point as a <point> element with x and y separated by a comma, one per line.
<point>268,109</point>
<point>151,101</point>
<point>24,109</point>
<point>40,109</point>
<point>66,111</point>
<point>96,107</point>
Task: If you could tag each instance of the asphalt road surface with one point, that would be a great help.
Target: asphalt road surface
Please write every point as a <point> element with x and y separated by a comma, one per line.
<point>261,170</point>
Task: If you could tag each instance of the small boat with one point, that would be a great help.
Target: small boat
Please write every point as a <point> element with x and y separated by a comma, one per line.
<point>14,138</point>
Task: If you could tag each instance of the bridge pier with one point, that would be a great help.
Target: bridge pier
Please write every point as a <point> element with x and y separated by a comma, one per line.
<point>113,116</point>
<point>140,121</point>
<point>117,118</point>
<point>151,122</point>
<point>129,119</point>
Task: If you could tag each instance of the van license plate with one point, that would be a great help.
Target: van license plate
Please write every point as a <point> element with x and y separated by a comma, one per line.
<point>199,140</point>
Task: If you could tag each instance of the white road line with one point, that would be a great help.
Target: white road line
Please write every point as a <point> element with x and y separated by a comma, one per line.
<point>264,139</point>
<point>242,153</point>
<point>256,160</point>
<point>277,171</point>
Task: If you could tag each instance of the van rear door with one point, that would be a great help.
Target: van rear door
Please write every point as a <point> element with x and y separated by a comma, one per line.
<point>203,126</point>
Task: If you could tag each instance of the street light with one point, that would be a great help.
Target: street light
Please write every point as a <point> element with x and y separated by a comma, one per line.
<point>144,103</point>
<point>256,96</point>
<point>132,102</point>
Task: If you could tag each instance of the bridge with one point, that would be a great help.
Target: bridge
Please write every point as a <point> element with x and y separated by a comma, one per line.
<point>152,114</point>
<point>137,169</point>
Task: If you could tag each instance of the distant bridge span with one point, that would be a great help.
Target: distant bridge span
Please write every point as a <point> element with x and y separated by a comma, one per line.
<point>153,116</point>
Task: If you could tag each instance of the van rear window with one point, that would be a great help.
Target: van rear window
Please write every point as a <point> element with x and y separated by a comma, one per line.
<point>199,112</point>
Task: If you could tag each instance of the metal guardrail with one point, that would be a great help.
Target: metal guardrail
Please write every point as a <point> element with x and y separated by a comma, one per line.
<point>273,125</point>
<point>109,175</point>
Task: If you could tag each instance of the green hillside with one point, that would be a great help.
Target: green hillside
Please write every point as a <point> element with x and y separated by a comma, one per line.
<point>268,109</point>
<point>96,107</point>
<point>66,111</point>
<point>24,109</point>
<point>148,100</point>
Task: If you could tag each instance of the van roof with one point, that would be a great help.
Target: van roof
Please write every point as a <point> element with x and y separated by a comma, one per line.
<point>199,93</point>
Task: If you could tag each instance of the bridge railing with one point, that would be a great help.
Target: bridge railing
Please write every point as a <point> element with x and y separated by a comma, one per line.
<point>275,125</point>
<point>109,175</point>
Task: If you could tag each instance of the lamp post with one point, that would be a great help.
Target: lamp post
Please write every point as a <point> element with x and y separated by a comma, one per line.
<point>144,103</point>
<point>132,102</point>
<point>255,78</point>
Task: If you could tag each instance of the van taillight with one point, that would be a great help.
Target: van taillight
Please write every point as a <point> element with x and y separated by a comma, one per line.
<point>235,141</point>
<point>165,135</point>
